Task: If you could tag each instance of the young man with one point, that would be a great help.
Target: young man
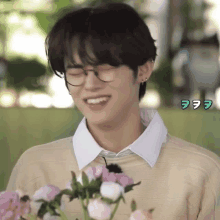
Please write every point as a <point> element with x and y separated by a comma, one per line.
<point>107,51</point>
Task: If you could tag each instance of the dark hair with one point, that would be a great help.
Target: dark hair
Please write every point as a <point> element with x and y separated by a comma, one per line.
<point>115,32</point>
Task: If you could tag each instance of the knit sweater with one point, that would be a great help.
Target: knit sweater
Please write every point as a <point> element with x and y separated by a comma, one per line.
<point>183,184</point>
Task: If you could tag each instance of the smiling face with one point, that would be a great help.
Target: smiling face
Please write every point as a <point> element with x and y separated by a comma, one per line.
<point>123,92</point>
<point>118,36</point>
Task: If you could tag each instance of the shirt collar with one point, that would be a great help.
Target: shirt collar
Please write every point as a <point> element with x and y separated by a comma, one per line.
<point>147,146</point>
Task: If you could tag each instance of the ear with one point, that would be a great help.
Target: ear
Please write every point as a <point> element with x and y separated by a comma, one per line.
<point>145,71</point>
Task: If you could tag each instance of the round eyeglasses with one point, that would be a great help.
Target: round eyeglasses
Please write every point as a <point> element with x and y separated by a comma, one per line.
<point>76,76</point>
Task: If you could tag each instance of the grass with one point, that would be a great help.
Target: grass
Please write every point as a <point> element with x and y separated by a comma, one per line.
<point>22,128</point>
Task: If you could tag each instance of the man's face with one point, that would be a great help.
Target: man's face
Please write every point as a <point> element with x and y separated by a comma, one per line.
<point>124,94</point>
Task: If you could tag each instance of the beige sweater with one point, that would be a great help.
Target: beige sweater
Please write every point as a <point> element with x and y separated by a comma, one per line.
<point>183,184</point>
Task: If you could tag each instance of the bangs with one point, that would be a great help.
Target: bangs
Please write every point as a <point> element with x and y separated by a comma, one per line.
<point>109,34</point>
<point>91,51</point>
<point>101,40</point>
<point>106,39</point>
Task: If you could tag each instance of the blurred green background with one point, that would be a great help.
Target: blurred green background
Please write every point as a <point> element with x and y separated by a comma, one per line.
<point>23,28</point>
<point>22,128</point>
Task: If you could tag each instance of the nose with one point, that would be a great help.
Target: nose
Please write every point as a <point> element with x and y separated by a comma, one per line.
<point>92,80</point>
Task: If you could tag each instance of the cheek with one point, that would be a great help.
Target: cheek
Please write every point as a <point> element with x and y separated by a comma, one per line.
<point>75,95</point>
<point>125,88</point>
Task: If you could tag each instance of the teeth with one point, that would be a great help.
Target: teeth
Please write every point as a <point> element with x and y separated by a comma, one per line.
<point>98,100</point>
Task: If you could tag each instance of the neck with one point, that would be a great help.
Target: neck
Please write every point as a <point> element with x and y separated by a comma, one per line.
<point>117,134</point>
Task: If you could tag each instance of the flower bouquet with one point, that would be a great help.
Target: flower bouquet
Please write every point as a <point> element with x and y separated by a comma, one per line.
<point>97,189</point>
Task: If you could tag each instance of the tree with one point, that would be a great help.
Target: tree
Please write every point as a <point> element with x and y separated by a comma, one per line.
<point>186,19</point>
<point>25,74</point>
<point>190,16</point>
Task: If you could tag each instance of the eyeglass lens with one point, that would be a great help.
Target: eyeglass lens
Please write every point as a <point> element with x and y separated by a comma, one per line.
<point>77,76</point>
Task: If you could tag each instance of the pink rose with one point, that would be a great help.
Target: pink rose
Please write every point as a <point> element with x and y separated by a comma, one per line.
<point>94,171</point>
<point>124,180</point>
<point>91,172</point>
<point>47,193</point>
<point>9,215</point>
<point>25,208</point>
<point>97,171</point>
<point>8,202</point>
<point>11,207</point>
<point>108,177</point>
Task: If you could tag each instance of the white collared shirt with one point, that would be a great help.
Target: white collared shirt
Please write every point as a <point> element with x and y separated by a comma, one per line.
<point>147,146</point>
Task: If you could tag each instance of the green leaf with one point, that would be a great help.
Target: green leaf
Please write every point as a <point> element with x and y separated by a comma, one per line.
<point>79,186</point>
<point>43,210</point>
<point>94,187</point>
<point>95,183</point>
<point>85,179</point>
<point>130,187</point>
<point>74,186</point>
<point>123,199</point>
<point>133,205</point>
<point>151,210</point>
<point>50,210</point>
<point>57,198</point>
<point>107,200</point>
<point>75,195</point>
<point>72,194</point>
<point>65,192</point>
<point>41,200</point>
<point>73,177</point>
<point>52,207</point>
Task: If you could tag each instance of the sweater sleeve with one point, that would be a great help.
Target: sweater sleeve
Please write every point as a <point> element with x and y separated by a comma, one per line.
<point>26,175</point>
<point>210,203</point>
<point>14,182</point>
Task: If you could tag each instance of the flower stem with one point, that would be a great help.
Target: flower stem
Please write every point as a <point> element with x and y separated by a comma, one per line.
<point>115,209</point>
<point>87,197</point>
<point>62,214</point>
<point>87,201</point>
<point>84,208</point>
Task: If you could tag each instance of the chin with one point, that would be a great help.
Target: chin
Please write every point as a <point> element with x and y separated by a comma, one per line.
<point>100,118</point>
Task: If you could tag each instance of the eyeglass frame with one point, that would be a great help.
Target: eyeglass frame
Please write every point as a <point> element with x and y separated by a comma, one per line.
<point>85,72</point>
<point>96,74</point>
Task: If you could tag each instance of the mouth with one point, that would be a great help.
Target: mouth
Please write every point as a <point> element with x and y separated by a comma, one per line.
<point>85,100</point>
<point>98,107</point>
